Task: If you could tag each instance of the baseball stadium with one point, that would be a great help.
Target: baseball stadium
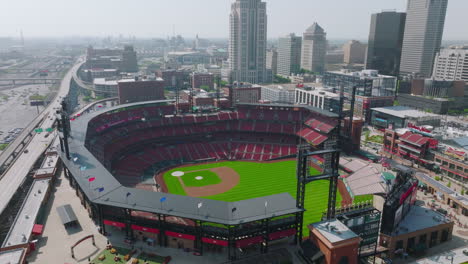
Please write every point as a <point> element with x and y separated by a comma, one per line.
<point>215,182</point>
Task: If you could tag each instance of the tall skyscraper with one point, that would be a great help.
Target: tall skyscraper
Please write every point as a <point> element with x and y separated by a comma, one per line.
<point>425,21</point>
<point>354,52</point>
<point>289,54</point>
<point>314,49</point>
<point>247,42</point>
<point>452,64</point>
<point>385,42</point>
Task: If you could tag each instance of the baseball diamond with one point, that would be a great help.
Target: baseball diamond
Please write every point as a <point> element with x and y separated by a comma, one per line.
<point>252,180</point>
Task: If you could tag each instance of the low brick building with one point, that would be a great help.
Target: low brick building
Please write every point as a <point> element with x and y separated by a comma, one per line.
<point>453,163</point>
<point>202,79</point>
<point>336,242</point>
<point>420,229</point>
<point>174,78</point>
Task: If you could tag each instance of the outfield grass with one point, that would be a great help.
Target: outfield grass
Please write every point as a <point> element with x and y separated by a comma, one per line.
<point>262,179</point>
<point>209,178</point>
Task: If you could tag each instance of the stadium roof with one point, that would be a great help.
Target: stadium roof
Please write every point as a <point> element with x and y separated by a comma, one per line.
<point>106,190</point>
<point>308,107</point>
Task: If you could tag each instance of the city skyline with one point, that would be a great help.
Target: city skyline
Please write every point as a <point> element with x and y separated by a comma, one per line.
<point>97,19</point>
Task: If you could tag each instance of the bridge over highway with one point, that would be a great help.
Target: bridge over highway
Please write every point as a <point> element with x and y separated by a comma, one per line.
<point>15,81</point>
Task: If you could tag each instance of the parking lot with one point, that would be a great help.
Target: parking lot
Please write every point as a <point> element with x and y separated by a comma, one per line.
<point>16,111</point>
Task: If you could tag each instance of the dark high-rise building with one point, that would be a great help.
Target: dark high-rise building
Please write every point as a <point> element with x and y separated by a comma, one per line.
<point>385,42</point>
<point>424,27</point>
<point>134,90</point>
<point>129,60</point>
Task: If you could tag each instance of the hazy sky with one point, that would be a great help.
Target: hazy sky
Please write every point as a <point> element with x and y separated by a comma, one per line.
<point>209,18</point>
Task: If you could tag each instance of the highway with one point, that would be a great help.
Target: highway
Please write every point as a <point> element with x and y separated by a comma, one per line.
<point>18,171</point>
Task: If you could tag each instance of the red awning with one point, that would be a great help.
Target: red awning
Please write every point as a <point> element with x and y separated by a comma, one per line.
<point>180,235</point>
<point>282,234</point>
<point>249,241</point>
<point>37,229</point>
<point>113,223</point>
<point>223,243</point>
<point>145,229</point>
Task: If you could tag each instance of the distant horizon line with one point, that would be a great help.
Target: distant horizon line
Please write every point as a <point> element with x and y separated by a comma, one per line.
<point>190,38</point>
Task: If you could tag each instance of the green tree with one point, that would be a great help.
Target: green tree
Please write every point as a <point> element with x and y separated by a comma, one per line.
<point>303,71</point>
<point>205,87</point>
<point>281,79</point>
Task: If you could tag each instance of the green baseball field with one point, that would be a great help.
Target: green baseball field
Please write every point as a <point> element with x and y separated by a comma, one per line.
<point>256,179</point>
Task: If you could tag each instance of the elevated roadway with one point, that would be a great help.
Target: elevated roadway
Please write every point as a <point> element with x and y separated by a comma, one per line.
<point>23,162</point>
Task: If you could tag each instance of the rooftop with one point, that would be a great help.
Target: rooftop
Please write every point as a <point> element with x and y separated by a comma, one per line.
<point>159,79</point>
<point>285,86</point>
<point>364,179</point>
<point>415,139</point>
<point>315,29</point>
<point>462,142</point>
<point>364,74</point>
<point>441,187</point>
<point>334,230</point>
<point>101,70</point>
<point>13,256</point>
<point>22,227</point>
<point>419,218</point>
<point>318,90</point>
<point>180,53</point>
<point>403,112</point>
<point>104,81</point>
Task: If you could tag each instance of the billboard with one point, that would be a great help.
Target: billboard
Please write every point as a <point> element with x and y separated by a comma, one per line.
<point>409,192</point>
<point>398,216</point>
<point>36,103</point>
